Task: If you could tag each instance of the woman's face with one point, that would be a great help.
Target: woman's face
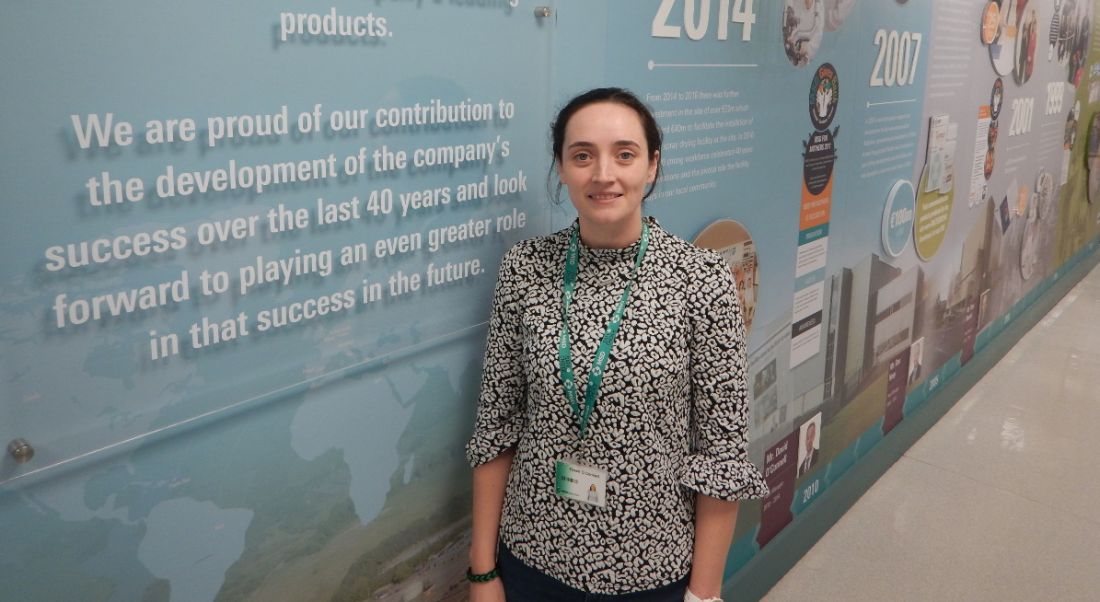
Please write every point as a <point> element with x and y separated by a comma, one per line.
<point>606,165</point>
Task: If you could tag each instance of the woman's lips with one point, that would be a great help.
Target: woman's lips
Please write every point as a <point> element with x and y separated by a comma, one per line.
<point>604,196</point>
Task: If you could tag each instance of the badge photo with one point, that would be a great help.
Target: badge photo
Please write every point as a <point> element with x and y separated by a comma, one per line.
<point>585,484</point>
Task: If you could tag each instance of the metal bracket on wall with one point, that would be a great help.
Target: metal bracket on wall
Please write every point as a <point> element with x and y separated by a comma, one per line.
<point>543,12</point>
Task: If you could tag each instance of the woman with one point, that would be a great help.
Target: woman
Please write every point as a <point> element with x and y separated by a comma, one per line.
<point>615,361</point>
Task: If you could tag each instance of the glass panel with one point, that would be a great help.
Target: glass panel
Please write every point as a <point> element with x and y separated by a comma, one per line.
<point>212,206</point>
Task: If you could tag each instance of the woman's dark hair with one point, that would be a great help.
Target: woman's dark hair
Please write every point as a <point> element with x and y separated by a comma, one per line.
<point>653,136</point>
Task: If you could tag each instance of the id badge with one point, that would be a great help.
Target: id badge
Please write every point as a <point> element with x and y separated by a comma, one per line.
<point>581,483</point>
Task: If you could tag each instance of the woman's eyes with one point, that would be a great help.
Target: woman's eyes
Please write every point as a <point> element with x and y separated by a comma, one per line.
<point>621,156</point>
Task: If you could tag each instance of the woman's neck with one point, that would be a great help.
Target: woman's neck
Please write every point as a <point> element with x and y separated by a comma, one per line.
<point>610,236</point>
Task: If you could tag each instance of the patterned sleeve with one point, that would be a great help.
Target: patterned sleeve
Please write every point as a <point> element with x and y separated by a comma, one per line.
<point>500,408</point>
<point>718,465</point>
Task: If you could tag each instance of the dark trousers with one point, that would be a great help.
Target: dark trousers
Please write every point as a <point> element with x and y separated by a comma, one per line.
<point>526,584</point>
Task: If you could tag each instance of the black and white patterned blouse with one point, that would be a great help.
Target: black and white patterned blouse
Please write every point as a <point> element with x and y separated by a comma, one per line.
<point>671,418</point>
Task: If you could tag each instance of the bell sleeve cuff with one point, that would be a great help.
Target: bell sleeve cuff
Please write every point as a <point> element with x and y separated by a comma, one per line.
<point>722,479</point>
<point>717,463</point>
<point>500,409</point>
<point>487,444</point>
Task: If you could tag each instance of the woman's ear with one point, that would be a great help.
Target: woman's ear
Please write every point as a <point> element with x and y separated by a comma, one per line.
<point>653,163</point>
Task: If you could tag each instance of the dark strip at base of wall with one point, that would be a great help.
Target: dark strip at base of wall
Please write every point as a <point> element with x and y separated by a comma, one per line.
<point>769,565</point>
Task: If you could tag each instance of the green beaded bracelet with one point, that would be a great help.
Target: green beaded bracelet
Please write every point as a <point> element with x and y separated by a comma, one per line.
<point>483,577</point>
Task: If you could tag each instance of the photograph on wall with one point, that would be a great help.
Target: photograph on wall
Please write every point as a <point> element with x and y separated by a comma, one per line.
<point>803,26</point>
<point>916,361</point>
<point>947,157</point>
<point>764,390</point>
<point>991,22</point>
<point>996,98</point>
<point>1069,34</point>
<point>1027,40</point>
<point>809,444</point>
<point>938,132</point>
<point>835,13</point>
<point>1002,51</point>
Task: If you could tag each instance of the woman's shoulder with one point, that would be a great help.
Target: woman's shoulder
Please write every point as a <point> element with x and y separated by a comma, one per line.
<point>696,261</point>
<point>540,246</point>
<point>531,256</point>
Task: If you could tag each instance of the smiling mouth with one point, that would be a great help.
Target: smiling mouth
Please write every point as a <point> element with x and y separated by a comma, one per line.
<point>605,196</point>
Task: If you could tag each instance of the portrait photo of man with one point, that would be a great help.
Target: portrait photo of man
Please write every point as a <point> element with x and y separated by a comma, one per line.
<point>809,444</point>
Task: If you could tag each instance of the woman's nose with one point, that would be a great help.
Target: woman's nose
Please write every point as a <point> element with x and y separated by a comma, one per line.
<point>602,172</point>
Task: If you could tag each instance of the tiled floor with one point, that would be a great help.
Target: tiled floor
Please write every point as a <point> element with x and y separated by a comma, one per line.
<point>1000,500</point>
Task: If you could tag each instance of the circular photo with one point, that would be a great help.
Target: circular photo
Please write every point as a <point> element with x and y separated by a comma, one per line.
<point>734,243</point>
<point>835,13</point>
<point>991,137</point>
<point>1027,39</point>
<point>1044,187</point>
<point>997,98</point>
<point>1002,52</point>
<point>803,24</point>
<point>824,96</point>
<point>989,159</point>
<point>991,22</point>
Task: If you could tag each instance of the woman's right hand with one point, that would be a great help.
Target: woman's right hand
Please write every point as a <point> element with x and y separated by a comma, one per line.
<point>493,591</point>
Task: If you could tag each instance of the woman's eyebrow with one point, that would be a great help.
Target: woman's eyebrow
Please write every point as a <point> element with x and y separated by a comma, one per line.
<point>586,144</point>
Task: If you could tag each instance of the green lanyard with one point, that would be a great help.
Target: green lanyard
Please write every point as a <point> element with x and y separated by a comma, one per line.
<point>603,352</point>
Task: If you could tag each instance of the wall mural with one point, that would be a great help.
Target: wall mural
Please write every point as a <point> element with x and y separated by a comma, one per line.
<point>250,252</point>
